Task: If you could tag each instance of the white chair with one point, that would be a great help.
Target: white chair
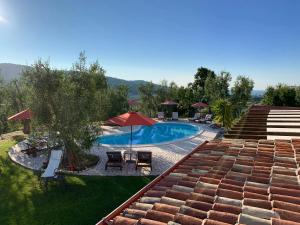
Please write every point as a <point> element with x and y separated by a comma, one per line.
<point>196,117</point>
<point>161,115</point>
<point>174,115</point>
<point>208,118</point>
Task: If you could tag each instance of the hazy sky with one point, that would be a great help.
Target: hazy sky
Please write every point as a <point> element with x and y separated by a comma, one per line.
<point>158,39</point>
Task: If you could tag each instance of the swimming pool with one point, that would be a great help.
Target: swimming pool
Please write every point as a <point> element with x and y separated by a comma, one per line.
<point>158,133</point>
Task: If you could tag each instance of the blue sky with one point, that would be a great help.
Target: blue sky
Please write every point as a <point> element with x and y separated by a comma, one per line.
<point>158,39</point>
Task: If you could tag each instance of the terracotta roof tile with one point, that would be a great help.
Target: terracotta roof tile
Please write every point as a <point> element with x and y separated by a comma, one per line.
<point>159,216</point>
<point>120,220</point>
<point>265,204</point>
<point>149,222</point>
<point>286,206</point>
<point>186,210</point>
<point>134,213</point>
<point>227,208</point>
<point>276,221</point>
<point>213,222</point>
<point>166,208</point>
<point>204,206</point>
<point>224,182</point>
<point>223,216</point>
<point>187,220</point>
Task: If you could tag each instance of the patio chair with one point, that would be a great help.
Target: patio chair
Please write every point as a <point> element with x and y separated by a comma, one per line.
<point>115,159</point>
<point>207,118</point>
<point>31,151</point>
<point>161,115</point>
<point>144,159</point>
<point>34,146</point>
<point>214,125</point>
<point>174,115</point>
<point>196,117</point>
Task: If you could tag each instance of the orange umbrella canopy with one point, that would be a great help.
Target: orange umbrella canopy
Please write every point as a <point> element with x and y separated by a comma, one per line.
<point>132,119</point>
<point>200,105</point>
<point>24,115</point>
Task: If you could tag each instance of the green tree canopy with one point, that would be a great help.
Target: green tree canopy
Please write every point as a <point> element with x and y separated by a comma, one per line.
<point>199,80</point>
<point>217,87</point>
<point>282,95</point>
<point>148,99</point>
<point>241,92</point>
<point>67,102</point>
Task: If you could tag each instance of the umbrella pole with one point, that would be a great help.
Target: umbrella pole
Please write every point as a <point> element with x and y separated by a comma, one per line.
<point>130,141</point>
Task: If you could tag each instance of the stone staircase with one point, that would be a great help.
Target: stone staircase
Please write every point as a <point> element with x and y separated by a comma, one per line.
<point>267,122</point>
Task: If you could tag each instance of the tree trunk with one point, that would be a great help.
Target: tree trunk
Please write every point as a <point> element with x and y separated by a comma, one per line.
<point>26,128</point>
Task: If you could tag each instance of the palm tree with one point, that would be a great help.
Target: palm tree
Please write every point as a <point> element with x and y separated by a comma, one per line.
<point>222,109</point>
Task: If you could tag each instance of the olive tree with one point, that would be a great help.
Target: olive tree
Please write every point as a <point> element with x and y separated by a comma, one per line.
<point>67,103</point>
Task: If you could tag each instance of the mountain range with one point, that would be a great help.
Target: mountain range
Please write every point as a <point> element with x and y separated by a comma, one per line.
<point>12,71</point>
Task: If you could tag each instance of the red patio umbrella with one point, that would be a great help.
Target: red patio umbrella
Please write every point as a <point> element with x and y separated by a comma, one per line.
<point>169,102</point>
<point>132,102</point>
<point>23,116</point>
<point>200,105</point>
<point>131,119</point>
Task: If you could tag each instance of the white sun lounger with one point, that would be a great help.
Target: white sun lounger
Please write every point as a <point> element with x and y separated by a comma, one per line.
<point>54,161</point>
<point>161,115</point>
<point>196,117</point>
<point>174,115</point>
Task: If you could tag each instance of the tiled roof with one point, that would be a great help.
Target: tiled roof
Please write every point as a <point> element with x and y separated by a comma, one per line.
<point>222,182</point>
<point>267,122</point>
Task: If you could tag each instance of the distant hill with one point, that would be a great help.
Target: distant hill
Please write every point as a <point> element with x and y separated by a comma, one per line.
<point>258,92</point>
<point>11,71</point>
<point>133,85</point>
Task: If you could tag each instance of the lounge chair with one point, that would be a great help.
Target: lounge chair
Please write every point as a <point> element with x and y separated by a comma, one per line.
<point>51,171</point>
<point>214,125</point>
<point>115,159</point>
<point>33,146</point>
<point>144,159</point>
<point>196,117</point>
<point>31,151</point>
<point>161,115</point>
<point>207,118</point>
<point>53,165</point>
<point>174,115</point>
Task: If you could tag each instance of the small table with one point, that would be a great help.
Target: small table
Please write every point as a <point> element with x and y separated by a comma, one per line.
<point>128,156</point>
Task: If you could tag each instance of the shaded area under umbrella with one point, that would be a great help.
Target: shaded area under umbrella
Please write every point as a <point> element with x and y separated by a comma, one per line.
<point>131,119</point>
<point>169,103</point>
<point>24,116</point>
<point>200,105</point>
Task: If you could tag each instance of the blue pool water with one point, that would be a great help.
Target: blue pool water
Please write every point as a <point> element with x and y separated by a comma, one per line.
<point>158,133</point>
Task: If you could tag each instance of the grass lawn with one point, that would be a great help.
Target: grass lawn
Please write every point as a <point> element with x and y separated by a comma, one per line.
<point>84,200</point>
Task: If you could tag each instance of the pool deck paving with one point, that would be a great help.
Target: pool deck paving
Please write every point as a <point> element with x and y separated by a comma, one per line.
<point>163,155</point>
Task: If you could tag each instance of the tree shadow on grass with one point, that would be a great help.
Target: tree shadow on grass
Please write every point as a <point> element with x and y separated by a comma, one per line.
<point>82,200</point>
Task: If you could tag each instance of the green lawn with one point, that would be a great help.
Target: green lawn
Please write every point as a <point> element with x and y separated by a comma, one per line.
<point>84,200</point>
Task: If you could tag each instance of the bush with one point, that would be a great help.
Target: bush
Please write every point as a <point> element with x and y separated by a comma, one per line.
<point>88,160</point>
<point>18,138</point>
